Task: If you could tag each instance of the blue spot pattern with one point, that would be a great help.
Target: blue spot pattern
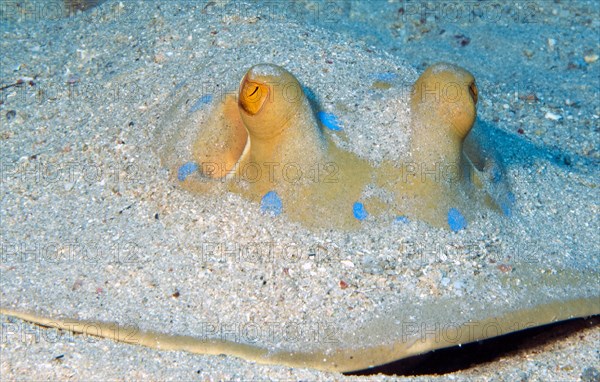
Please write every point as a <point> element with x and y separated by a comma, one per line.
<point>329,120</point>
<point>401,219</point>
<point>185,170</point>
<point>204,100</point>
<point>271,203</point>
<point>309,93</point>
<point>580,62</point>
<point>507,204</point>
<point>456,220</point>
<point>359,211</point>
<point>180,85</point>
<point>386,76</point>
<point>496,174</point>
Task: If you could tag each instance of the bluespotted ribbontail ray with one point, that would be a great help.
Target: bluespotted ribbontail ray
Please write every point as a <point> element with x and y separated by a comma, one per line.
<point>521,294</point>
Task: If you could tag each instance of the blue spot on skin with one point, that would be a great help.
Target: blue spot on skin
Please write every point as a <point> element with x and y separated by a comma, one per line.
<point>271,203</point>
<point>186,170</point>
<point>359,211</point>
<point>456,220</point>
<point>401,219</point>
<point>309,93</point>
<point>329,120</point>
<point>179,85</point>
<point>580,62</point>
<point>387,76</point>
<point>204,100</point>
<point>508,204</point>
<point>496,174</point>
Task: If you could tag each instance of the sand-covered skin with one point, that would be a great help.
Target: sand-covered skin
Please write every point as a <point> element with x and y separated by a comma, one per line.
<point>103,231</point>
<point>84,358</point>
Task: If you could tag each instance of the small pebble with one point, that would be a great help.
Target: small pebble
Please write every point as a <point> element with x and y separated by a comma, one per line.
<point>531,97</point>
<point>159,58</point>
<point>552,116</point>
<point>186,170</point>
<point>590,58</point>
<point>329,120</point>
<point>462,39</point>
<point>528,53</point>
<point>504,268</point>
<point>77,284</point>
<point>359,211</point>
<point>271,203</point>
<point>456,220</point>
<point>570,102</point>
<point>11,114</point>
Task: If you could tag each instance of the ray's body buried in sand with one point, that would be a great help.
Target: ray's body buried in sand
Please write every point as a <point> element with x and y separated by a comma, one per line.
<point>260,140</point>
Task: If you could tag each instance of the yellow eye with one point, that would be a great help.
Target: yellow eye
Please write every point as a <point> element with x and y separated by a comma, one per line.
<point>253,96</point>
<point>473,91</point>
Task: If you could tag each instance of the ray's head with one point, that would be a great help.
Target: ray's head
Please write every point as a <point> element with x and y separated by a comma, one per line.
<point>446,94</point>
<point>269,97</point>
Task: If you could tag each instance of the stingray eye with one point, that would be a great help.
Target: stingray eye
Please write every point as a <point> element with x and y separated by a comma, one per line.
<point>473,91</point>
<point>253,96</point>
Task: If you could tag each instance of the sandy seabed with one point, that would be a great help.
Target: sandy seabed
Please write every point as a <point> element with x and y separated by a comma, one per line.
<point>94,227</point>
